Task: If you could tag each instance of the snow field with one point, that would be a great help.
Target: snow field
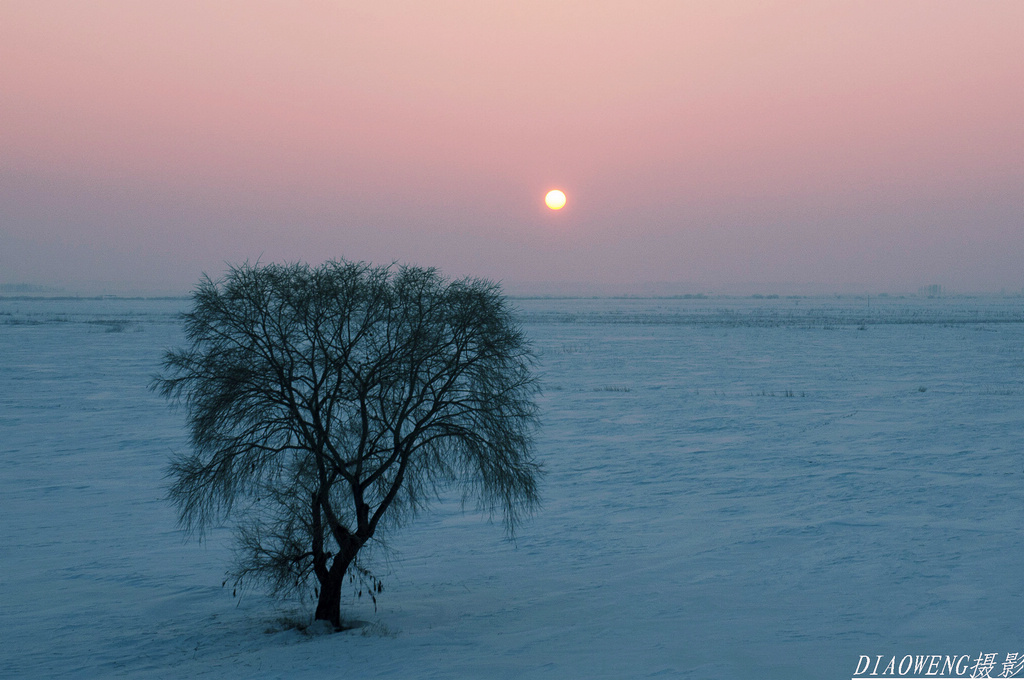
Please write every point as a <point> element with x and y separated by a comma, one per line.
<point>735,488</point>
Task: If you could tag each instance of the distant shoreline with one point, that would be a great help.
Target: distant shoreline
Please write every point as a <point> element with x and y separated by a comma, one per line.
<point>93,297</point>
<point>697,296</point>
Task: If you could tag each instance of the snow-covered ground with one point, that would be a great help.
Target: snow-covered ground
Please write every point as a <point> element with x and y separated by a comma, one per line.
<point>735,489</point>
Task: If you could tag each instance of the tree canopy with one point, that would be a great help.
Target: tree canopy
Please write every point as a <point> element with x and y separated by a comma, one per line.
<point>326,404</point>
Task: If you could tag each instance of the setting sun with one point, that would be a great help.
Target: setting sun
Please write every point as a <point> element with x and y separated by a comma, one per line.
<point>555,199</point>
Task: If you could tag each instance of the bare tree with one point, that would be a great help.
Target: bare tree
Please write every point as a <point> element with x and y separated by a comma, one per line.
<point>327,404</point>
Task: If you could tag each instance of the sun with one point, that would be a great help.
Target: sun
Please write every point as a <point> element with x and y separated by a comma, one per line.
<point>555,199</point>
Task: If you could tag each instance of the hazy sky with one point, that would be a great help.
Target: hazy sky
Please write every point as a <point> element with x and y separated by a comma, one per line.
<point>876,144</point>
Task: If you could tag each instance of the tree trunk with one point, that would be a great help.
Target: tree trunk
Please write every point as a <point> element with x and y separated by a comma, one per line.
<point>328,606</point>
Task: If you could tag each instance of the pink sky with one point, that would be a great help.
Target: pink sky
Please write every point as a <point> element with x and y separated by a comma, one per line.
<point>875,146</point>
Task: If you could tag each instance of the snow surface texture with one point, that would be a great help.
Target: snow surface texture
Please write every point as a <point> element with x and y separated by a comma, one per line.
<point>735,489</point>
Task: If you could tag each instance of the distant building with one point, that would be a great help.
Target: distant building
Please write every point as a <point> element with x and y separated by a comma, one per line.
<point>932,291</point>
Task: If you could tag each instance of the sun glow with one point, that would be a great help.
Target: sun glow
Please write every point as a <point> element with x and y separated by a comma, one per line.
<point>555,199</point>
